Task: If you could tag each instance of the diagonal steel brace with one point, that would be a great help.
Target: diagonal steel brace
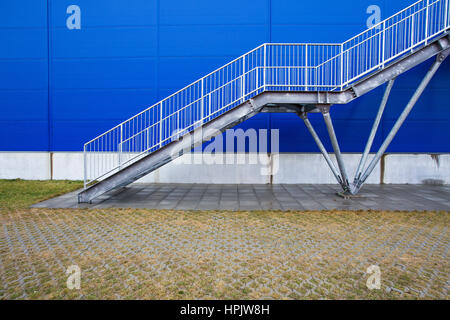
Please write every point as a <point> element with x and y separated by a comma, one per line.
<point>423,84</point>
<point>334,170</point>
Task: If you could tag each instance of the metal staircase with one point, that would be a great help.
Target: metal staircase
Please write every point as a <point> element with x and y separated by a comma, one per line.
<point>299,78</point>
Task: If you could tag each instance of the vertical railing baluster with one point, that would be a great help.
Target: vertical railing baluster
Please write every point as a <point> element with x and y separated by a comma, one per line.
<point>243,79</point>
<point>209,104</point>
<point>160,124</point>
<point>257,78</point>
<point>264,66</point>
<point>342,66</point>
<point>288,67</point>
<point>201,103</point>
<point>412,32</point>
<point>426,22</point>
<point>85,165</point>
<point>306,67</point>
<point>120,145</point>
<point>383,44</point>
<point>446,24</point>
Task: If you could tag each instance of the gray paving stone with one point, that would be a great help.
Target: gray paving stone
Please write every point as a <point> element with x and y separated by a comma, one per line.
<point>266,197</point>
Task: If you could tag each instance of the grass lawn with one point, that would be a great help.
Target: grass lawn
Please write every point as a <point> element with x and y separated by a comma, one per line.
<point>169,254</point>
<point>20,194</point>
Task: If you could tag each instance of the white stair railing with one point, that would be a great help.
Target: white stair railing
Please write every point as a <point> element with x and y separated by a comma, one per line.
<point>269,67</point>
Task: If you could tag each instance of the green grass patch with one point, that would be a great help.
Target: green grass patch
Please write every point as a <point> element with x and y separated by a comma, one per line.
<point>19,194</point>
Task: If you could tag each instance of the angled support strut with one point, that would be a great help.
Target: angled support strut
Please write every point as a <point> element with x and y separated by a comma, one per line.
<point>337,151</point>
<point>359,180</point>
<point>361,175</point>
<point>324,152</point>
<point>376,123</point>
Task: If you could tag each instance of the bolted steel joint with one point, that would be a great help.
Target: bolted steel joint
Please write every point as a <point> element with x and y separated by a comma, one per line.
<point>441,57</point>
<point>324,109</point>
<point>303,115</point>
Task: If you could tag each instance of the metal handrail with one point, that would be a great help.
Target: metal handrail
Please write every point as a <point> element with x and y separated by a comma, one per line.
<point>188,105</point>
<point>270,66</point>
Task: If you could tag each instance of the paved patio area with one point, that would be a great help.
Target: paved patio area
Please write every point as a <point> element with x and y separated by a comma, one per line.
<point>263,197</point>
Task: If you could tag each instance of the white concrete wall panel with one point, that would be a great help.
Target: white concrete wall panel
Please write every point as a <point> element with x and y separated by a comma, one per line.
<point>312,168</point>
<point>417,169</point>
<point>286,168</point>
<point>25,165</point>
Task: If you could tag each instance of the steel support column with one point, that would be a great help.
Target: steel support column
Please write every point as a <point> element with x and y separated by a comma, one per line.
<point>337,151</point>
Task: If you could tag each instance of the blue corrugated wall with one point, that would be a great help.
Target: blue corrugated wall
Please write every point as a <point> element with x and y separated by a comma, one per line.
<point>60,87</point>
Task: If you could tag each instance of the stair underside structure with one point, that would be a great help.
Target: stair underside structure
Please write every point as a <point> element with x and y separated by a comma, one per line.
<point>295,78</point>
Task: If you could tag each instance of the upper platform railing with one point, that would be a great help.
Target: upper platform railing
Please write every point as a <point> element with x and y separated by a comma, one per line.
<point>269,67</point>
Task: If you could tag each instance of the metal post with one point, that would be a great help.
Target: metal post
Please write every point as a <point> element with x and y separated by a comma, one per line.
<point>324,152</point>
<point>264,69</point>
<point>306,67</point>
<point>383,44</point>
<point>289,78</point>
<point>148,139</point>
<point>426,23</point>
<point>243,79</point>
<point>376,123</point>
<point>412,32</point>
<point>402,117</point>
<point>201,103</point>
<point>160,124</point>
<point>257,81</point>
<point>337,151</point>
<point>348,66</point>
<point>120,146</point>
<point>85,165</point>
<point>446,14</point>
<point>342,66</point>
<point>209,104</point>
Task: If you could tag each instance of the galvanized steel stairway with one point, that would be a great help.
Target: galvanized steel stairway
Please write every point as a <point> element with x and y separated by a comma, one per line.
<point>298,78</point>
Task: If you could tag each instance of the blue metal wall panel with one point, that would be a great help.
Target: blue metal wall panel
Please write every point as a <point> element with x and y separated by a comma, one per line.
<point>76,133</point>
<point>195,68</point>
<point>23,76</point>
<point>23,43</point>
<point>95,105</point>
<point>130,54</point>
<point>19,135</point>
<point>421,136</point>
<point>23,14</point>
<point>207,12</point>
<point>232,40</point>
<point>23,105</point>
<point>117,73</point>
<point>322,12</point>
<point>104,43</point>
<point>107,13</point>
